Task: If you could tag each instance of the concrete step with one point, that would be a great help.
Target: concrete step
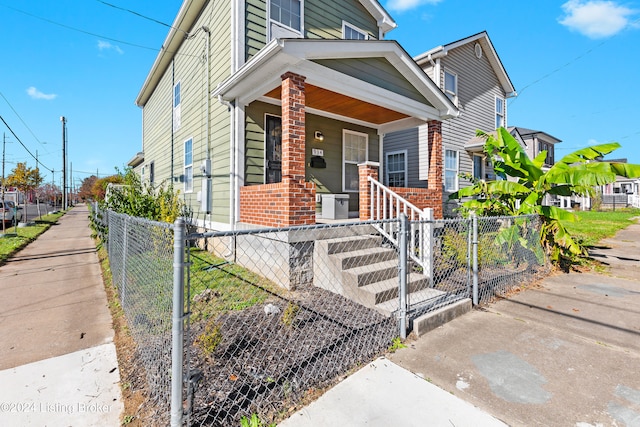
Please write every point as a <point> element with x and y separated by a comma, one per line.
<point>352,243</point>
<point>362,257</point>
<point>418,297</point>
<point>380,292</point>
<point>371,273</point>
<point>434,319</point>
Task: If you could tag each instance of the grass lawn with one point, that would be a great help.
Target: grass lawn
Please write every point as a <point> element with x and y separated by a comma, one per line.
<point>13,241</point>
<point>594,226</point>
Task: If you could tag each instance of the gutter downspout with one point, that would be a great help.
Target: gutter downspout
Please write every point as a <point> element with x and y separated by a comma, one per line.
<point>206,30</point>
<point>173,119</point>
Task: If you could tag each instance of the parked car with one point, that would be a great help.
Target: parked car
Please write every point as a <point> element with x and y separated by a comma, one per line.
<point>10,213</point>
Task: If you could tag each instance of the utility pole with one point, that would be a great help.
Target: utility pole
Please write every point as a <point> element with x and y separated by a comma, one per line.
<point>4,142</point>
<point>64,162</point>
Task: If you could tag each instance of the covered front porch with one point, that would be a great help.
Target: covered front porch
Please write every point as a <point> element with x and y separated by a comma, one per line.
<point>311,119</point>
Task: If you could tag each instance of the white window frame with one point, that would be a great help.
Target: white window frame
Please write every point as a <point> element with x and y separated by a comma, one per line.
<point>188,167</point>
<point>456,170</point>
<point>346,162</point>
<point>447,92</point>
<point>177,107</point>
<point>404,171</point>
<point>283,25</point>
<point>501,114</point>
<point>353,28</point>
<point>481,159</point>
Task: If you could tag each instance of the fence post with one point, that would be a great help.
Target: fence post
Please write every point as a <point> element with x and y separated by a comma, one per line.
<point>402,246</point>
<point>474,221</point>
<point>123,278</point>
<point>177,332</point>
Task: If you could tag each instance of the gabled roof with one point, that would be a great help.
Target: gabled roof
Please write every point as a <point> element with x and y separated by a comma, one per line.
<point>384,20</point>
<point>524,132</point>
<point>187,16</point>
<point>262,74</point>
<point>487,47</point>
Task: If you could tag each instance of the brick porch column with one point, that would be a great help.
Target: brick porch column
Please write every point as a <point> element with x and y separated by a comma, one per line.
<point>366,170</point>
<point>299,196</point>
<point>435,181</point>
<point>435,156</point>
<point>293,127</point>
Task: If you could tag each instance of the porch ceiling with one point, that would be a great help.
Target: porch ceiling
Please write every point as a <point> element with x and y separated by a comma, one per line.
<point>328,101</point>
<point>337,94</point>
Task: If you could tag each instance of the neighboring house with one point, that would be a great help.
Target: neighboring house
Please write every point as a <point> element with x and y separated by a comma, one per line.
<point>253,108</point>
<point>534,142</point>
<point>472,76</point>
<point>624,192</point>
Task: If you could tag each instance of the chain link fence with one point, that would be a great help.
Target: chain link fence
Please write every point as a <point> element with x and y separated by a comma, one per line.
<point>273,316</point>
<point>140,257</point>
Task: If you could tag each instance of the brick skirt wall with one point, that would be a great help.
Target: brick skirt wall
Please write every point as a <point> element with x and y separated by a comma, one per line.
<point>422,198</point>
<point>283,204</point>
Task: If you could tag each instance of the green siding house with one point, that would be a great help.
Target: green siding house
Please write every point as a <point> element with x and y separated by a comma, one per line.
<point>255,108</point>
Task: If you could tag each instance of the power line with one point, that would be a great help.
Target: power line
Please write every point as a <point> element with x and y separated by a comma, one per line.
<point>21,143</point>
<point>23,122</point>
<point>574,60</point>
<point>140,15</point>
<point>78,29</point>
<point>162,48</point>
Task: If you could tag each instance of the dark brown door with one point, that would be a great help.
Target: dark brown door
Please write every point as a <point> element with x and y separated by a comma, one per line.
<point>273,155</point>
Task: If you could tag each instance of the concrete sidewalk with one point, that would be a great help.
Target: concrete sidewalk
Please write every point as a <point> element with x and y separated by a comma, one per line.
<point>58,363</point>
<point>563,353</point>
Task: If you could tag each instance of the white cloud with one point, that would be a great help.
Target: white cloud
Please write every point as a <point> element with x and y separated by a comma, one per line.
<point>102,45</point>
<point>36,94</point>
<point>595,18</point>
<point>402,5</point>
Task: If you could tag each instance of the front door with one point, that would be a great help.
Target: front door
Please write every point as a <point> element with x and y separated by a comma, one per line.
<point>273,154</point>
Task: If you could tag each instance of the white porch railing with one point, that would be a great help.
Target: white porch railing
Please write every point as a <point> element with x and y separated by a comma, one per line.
<point>634,200</point>
<point>386,204</point>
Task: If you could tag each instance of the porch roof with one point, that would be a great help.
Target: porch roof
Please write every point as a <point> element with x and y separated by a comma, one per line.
<point>336,94</point>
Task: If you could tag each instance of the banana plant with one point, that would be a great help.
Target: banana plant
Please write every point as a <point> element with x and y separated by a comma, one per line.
<point>523,186</point>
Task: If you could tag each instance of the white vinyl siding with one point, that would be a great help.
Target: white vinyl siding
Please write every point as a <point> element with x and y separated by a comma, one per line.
<point>450,170</point>
<point>351,32</point>
<point>396,167</point>
<point>355,148</point>
<point>188,165</point>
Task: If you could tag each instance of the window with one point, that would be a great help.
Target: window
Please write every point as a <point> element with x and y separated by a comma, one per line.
<point>355,147</point>
<point>176,107</point>
<point>500,113</point>
<point>188,165</point>
<point>396,167</point>
<point>450,170</point>
<point>451,86</point>
<point>287,12</point>
<point>151,173</point>
<point>478,167</point>
<point>351,32</point>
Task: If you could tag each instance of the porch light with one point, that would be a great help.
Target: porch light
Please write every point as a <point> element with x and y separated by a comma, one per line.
<point>318,136</point>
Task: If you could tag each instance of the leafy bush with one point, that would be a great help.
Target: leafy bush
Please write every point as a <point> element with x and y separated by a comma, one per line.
<point>134,198</point>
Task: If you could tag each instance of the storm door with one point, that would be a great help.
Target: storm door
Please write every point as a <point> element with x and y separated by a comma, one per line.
<point>273,149</point>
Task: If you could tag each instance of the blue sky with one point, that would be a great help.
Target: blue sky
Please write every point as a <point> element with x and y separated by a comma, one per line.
<point>573,63</point>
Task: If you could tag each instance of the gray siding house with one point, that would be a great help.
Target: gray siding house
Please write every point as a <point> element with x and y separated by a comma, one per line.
<point>254,108</point>
<point>472,76</point>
